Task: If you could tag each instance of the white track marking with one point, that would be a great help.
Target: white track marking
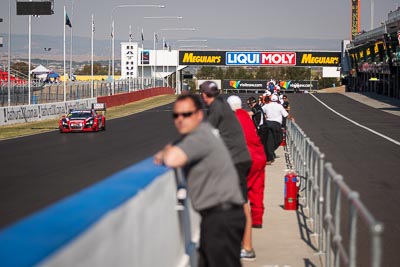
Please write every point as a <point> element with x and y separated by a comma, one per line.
<point>356,123</point>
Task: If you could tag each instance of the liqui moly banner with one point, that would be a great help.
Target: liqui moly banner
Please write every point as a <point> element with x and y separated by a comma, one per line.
<point>261,58</point>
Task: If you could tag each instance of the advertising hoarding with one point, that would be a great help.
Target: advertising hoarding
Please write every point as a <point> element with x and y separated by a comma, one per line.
<point>318,59</point>
<point>244,84</point>
<point>261,58</point>
<point>201,58</point>
<point>129,60</point>
<point>145,57</point>
<point>298,85</point>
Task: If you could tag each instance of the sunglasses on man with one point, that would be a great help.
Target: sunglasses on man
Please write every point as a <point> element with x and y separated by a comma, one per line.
<point>176,115</point>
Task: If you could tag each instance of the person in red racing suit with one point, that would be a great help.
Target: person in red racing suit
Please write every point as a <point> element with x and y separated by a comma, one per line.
<point>256,176</point>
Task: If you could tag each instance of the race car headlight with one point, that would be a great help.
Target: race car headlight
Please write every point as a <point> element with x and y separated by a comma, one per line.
<point>90,122</point>
<point>64,122</point>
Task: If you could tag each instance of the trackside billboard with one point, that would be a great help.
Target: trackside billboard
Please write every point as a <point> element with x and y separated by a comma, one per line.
<point>318,59</point>
<point>261,58</point>
<point>201,58</point>
<point>245,84</point>
<point>285,85</point>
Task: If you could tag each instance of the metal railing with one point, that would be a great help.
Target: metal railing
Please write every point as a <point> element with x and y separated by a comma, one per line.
<point>324,194</point>
<point>54,92</point>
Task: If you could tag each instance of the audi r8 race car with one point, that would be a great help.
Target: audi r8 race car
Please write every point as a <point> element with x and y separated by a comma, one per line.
<point>84,120</point>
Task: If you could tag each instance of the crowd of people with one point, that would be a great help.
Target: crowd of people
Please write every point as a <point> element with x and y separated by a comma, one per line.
<point>223,155</point>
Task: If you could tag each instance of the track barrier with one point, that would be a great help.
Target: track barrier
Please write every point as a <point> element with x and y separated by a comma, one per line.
<point>323,196</point>
<point>132,218</point>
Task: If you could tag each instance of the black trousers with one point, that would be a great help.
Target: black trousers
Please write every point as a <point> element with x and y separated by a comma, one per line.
<point>243,169</point>
<point>263,134</point>
<point>275,134</point>
<point>220,238</point>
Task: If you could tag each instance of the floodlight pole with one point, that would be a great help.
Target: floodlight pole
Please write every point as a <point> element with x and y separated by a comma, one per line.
<point>29,59</point>
<point>70,59</point>
<point>372,14</point>
<point>91,60</point>
<point>9,54</point>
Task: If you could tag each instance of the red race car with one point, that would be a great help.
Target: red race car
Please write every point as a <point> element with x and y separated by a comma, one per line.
<point>84,120</point>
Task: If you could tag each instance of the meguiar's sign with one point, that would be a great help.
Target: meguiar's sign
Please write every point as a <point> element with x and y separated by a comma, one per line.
<point>321,59</point>
<point>201,58</point>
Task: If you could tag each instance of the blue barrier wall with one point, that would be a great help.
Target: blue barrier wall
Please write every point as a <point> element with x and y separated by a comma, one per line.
<point>124,220</point>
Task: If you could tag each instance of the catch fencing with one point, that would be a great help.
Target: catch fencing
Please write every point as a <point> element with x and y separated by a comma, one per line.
<point>331,202</point>
<point>54,92</point>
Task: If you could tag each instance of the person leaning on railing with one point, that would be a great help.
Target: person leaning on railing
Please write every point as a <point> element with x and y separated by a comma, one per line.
<point>213,183</point>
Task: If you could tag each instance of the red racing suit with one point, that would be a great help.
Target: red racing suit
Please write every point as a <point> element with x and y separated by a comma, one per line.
<point>256,176</point>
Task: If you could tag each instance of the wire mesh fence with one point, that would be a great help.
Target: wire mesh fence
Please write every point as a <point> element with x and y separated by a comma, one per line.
<point>41,93</point>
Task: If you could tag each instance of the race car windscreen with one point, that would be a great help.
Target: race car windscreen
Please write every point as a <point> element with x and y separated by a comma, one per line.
<point>80,114</point>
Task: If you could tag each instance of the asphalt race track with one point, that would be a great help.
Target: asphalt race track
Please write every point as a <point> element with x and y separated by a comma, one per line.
<point>38,170</point>
<point>368,163</point>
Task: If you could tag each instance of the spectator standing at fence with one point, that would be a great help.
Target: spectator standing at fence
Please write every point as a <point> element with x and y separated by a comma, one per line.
<point>266,97</point>
<point>255,178</point>
<point>221,116</point>
<point>286,106</point>
<point>259,120</point>
<point>213,183</point>
<point>275,114</point>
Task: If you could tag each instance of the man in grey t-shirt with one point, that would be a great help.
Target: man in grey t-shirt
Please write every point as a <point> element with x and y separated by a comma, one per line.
<point>213,183</point>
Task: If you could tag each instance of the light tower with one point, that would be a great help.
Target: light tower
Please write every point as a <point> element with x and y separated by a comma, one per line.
<point>355,18</point>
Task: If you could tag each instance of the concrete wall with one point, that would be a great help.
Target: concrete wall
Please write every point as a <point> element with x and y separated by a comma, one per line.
<point>128,219</point>
<point>22,114</point>
<point>29,113</point>
<point>122,99</point>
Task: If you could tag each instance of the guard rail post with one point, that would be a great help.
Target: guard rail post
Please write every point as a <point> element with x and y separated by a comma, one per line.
<point>305,173</point>
<point>321,204</point>
<point>190,247</point>
<point>337,238</point>
<point>310,183</point>
<point>376,245</point>
<point>316,188</point>
<point>328,217</point>
<point>353,229</point>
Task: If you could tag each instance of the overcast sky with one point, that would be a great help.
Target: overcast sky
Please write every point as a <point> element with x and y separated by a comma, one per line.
<point>241,19</point>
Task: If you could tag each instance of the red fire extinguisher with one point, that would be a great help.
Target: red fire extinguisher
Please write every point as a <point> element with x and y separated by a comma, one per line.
<point>291,191</point>
<point>283,143</point>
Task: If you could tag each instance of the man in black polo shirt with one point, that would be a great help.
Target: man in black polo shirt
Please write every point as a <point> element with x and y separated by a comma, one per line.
<point>221,116</point>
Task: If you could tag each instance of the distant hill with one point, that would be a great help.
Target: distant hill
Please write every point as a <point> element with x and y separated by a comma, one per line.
<point>102,48</point>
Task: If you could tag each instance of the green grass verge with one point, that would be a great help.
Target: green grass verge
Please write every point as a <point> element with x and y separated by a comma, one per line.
<point>23,129</point>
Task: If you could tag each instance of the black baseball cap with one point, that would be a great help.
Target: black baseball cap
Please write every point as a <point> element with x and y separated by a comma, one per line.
<point>209,88</point>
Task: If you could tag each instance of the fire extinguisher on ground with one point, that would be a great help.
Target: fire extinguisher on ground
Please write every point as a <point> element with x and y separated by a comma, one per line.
<point>291,191</point>
<point>283,143</point>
